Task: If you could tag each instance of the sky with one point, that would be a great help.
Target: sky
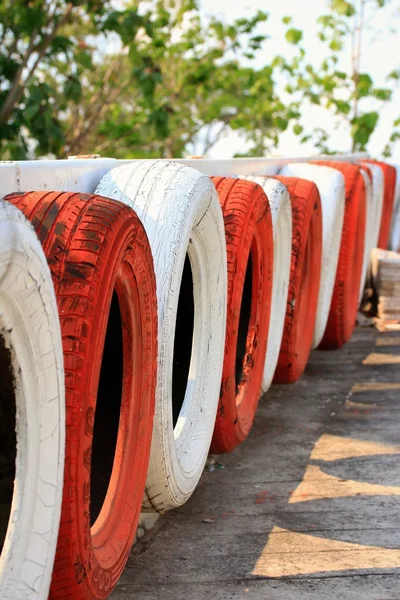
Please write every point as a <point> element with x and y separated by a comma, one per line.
<point>381,49</point>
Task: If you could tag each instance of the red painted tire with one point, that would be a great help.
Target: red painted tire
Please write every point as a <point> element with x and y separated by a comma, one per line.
<point>390,176</point>
<point>249,243</point>
<point>343,310</point>
<point>305,273</point>
<point>102,270</point>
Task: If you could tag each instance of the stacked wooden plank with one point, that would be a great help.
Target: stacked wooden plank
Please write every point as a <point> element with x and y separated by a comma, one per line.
<point>386,277</point>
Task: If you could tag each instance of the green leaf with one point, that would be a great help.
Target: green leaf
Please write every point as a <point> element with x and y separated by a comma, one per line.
<point>387,151</point>
<point>8,68</point>
<point>362,128</point>
<point>286,20</point>
<point>294,36</point>
<point>72,89</point>
<point>336,45</point>
<point>298,129</point>
<point>382,94</point>
<point>342,106</point>
<point>394,75</point>
<point>159,119</point>
<point>31,111</point>
<point>278,61</point>
<point>363,85</point>
<point>342,7</point>
<point>281,123</point>
<point>61,44</point>
<point>84,59</point>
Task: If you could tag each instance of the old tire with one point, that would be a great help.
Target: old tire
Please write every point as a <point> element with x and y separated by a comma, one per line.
<point>249,245</point>
<point>378,188</point>
<point>305,272</point>
<point>102,271</point>
<point>395,229</point>
<point>366,172</point>
<point>389,173</point>
<point>281,212</point>
<point>32,404</point>
<point>330,184</point>
<point>343,310</point>
<point>180,210</point>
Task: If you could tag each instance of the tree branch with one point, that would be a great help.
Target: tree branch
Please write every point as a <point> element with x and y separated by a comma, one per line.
<point>356,59</point>
<point>17,89</point>
<point>209,143</point>
<point>76,145</point>
<point>13,93</point>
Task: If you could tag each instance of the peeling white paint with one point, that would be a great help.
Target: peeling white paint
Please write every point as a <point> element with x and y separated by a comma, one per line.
<point>181,212</point>
<point>29,325</point>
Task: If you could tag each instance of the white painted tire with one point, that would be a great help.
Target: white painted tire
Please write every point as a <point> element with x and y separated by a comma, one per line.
<point>331,187</point>
<point>378,190</point>
<point>374,206</point>
<point>181,213</point>
<point>369,231</point>
<point>30,331</point>
<point>395,230</point>
<point>281,213</point>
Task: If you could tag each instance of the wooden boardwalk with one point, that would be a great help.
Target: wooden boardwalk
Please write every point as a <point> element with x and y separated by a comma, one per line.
<point>307,508</point>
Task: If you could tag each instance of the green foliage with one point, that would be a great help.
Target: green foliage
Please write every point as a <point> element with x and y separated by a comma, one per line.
<point>155,79</point>
<point>342,7</point>
<point>43,58</point>
<point>85,76</point>
<point>352,97</point>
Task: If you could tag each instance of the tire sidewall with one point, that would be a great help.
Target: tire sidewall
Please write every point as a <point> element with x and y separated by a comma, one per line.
<point>30,327</point>
<point>180,210</point>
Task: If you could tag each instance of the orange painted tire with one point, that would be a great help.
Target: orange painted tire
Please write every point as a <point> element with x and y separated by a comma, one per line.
<point>305,273</point>
<point>102,270</point>
<point>389,173</point>
<point>249,242</point>
<point>343,310</point>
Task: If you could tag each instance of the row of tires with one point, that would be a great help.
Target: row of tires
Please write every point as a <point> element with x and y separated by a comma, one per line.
<point>137,328</point>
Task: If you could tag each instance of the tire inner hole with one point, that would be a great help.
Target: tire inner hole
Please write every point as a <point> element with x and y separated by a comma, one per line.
<point>183,340</point>
<point>244,323</point>
<point>8,438</point>
<point>108,409</point>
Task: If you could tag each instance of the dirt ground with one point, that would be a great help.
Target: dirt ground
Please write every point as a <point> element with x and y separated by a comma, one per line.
<point>307,508</point>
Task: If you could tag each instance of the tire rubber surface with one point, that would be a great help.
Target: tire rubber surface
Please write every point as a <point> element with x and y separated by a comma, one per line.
<point>181,212</point>
<point>98,253</point>
<point>344,305</point>
<point>330,184</point>
<point>249,237</point>
<point>390,175</point>
<point>305,273</point>
<point>33,409</point>
<point>281,212</point>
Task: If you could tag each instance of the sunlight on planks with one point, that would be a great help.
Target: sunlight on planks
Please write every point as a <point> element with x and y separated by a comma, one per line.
<point>288,553</point>
<point>335,447</point>
<point>376,358</point>
<point>317,485</point>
